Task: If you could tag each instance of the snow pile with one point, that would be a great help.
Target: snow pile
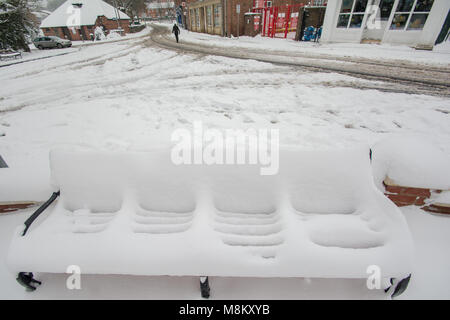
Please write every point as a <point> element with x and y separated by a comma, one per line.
<point>138,213</point>
<point>443,197</point>
<point>113,35</point>
<point>99,34</point>
<point>443,47</point>
<point>412,160</point>
<point>20,182</point>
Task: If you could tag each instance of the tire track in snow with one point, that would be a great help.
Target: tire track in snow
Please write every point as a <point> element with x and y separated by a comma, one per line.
<point>398,78</point>
<point>160,70</point>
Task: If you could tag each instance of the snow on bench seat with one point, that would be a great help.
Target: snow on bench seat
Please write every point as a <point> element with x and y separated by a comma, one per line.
<point>10,55</point>
<point>140,214</point>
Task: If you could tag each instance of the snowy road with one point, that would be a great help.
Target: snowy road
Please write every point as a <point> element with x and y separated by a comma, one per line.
<point>397,77</point>
<point>132,95</point>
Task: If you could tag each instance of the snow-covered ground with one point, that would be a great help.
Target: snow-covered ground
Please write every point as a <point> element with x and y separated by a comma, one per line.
<point>36,54</point>
<point>439,56</point>
<point>429,280</point>
<point>131,96</point>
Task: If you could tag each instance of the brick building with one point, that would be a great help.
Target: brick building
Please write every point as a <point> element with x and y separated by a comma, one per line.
<point>206,16</point>
<point>220,16</point>
<point>77,19</point>
<point>162,9</point>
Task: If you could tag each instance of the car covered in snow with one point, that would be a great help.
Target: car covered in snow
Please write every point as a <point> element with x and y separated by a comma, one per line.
<point>51,42</point>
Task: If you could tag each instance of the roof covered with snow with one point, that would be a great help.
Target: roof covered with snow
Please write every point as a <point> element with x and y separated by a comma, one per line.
<point>66,14</point>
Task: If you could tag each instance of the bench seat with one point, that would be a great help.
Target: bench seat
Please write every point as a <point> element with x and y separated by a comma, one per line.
<point>140,214</point>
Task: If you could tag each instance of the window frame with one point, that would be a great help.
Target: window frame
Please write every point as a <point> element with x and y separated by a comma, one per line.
<point>217,15</point>
<point>390,13</point>
<point>350,16</point>
<point>410,13</point>
<point>209,16</point>
<point>197,17</point>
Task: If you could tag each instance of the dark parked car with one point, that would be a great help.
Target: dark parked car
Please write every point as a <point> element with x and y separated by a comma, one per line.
<point>51,42</point>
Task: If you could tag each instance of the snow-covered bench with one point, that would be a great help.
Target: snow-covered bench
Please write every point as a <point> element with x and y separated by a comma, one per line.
<point>140,214</point>
<point>5,55</point>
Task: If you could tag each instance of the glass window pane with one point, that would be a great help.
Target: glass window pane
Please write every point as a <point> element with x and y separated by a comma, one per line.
<point>386,8</point>
<point>217,15</point>
<point>423,5</point>
<point>347,6</point>
<point>197,17</point>
<point>356,21</point>
<point>399,21</point>
<point>343,20</point>
<point>405,5</point>
<point>360,6</point>
<point>208,16</point>
<point>417,21</point>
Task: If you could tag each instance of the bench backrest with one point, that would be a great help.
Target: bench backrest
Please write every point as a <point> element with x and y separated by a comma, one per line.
<point>319,182</point>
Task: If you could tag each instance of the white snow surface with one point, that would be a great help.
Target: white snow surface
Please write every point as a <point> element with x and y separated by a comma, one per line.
<point>440,55</point>
<point>139,213</point>
<point>89,12</point>
<point>128,97</point>
<point>412,160</point>
<point>441,198</point>
<point>429,280</point>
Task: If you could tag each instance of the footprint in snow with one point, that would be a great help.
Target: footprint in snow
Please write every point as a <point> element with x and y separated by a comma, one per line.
<point>183,121</point>
<point>247,119</point>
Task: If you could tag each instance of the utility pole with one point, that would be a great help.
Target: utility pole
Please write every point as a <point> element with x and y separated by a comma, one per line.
<point>117,14</point>
<point>238,11</point>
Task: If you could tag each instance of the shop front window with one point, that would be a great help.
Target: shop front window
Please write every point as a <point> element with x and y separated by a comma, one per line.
<point>208,16</point>
<point>197,17</point>
<point>405,5</point>
<point>352,13</point>
<point>385,9</point>
<point>411,14</point>
<point>217,15</point>
<point>192,15</point>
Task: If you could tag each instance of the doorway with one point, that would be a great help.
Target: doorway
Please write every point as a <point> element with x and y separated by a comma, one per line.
<point>374,28</point>
<point>444,34</point>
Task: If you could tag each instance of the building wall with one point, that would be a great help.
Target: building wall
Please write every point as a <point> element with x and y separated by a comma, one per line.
<point>427,36</point>
<point>112,24</point>
<point>252,29</point>
<point>424,38</point>
<point>331,33</point>
<point>83,33</point>
<point>74,34</point>
<point>206,16</point>
<point>232,17</point>
<point>277,3</point>
<point>230,23</point>
<point>160,13</point>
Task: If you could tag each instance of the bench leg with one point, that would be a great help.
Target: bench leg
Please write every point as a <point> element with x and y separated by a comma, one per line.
<point>204,287</point>
<point>399,286</point>
<point>26,279</point>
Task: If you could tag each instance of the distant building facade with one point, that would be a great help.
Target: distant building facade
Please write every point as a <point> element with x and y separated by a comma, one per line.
<point>162,9</point>
<point>417,23</point>
<point>220,17</point>
<point>77,19</point>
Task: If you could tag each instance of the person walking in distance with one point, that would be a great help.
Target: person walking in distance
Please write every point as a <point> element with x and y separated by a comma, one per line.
<point>176,31</point>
